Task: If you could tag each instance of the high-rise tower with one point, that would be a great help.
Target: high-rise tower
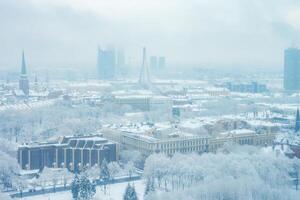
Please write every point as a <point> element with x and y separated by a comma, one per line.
<point>120,59</point>
<point>292,69</point>
<point>23,81</point>
<point>144,79</point>
<point>106,63</point>
<point>162,62</point>
<point>153,62</point>
<point>297,124</point>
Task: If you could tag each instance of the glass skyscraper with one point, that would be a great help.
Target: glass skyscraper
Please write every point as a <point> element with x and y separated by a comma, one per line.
<point>292,69</point>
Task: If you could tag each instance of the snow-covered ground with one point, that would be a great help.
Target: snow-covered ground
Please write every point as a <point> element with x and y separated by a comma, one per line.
<point>114,192</point>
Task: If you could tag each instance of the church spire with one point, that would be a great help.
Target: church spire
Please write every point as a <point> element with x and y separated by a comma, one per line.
<point>23,81</point>
<point>297,124</point>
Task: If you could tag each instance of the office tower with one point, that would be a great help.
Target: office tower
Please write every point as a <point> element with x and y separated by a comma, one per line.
<point>292,69</point>
<point>23,81</point>
<point>106,63</point>
<point>297,123</point>
<point>161,62</point>
<point>153,62</point>
<point>144,79</point>
<point>120,58</point>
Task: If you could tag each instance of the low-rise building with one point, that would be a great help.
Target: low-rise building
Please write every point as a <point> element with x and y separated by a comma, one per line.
<point>252,87</point>
<point>169,139</point>
<point>145,103</point>
<point>71,152</point>
<point>242,137</point>
<point>174,143</point>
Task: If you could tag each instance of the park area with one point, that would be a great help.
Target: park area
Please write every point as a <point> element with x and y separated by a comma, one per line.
<point>113,192</point>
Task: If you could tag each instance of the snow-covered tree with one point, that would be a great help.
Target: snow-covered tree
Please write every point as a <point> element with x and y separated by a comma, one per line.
<point>249,173</point>
<point>295,175</point>
<point>130,193</point>
<point>93,172</point>
<point>50,176</point>
<point>8,168</point>
<point>129,168</point>
<point>82,188</point>
<point>65,175</point>
<point>34,183</point>
<point>136,157</point>
<point>113,169</point>
<point>104,173</point>
<point>8,147</point>
<point>87,189</point>
<point>20,184</point>
<point>149,187</point>
<point>75,187</point>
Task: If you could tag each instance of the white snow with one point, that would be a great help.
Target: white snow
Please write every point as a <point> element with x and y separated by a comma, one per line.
<point>114,192</point>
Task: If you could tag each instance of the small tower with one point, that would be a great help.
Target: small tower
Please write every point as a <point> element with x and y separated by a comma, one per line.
<point>23,81</point>
<point>144,79</point>
<point>297,124</point>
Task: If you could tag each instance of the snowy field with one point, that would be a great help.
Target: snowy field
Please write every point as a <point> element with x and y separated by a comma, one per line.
<point>114,192</point>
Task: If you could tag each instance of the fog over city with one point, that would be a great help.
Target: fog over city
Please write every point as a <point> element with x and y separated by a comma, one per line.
<point>206,33</point>
<point>149,100</point>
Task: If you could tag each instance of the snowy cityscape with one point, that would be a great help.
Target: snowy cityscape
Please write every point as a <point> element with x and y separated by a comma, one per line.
<point>115,101</point>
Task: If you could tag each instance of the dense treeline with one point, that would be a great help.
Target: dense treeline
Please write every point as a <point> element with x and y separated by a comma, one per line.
<point>244,173</point>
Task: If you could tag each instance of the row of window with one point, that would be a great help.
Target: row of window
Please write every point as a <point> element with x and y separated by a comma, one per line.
<point>182,144</point>
<point>184,150</point>
<point>188,145</point>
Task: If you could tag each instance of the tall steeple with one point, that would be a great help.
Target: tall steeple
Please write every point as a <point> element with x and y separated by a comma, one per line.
<point>23,81</point>
<point>297,124</point>
<point>144,79</point>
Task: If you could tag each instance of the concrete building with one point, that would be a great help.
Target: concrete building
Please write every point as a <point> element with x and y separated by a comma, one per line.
<point>106,63</point>
<point>175,143</point>
<point>161,62</point>
<point>149,138</point>
<point>292,69</point>
<point>242,137</point>
<point>145,102</point>
<point>70,152</point>
<point>120,59</point>
<point>153,63</point>
<point>252,87</point>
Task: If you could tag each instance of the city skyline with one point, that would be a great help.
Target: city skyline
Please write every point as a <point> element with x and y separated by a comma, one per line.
<point>66,34</point>
<point>149,99</point>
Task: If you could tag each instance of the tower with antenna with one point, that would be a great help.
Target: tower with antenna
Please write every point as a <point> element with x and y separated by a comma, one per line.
<point>144,78</point>
<point>23,81</point>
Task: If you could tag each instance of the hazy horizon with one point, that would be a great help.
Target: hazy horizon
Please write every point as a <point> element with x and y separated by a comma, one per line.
<point>203,33</point>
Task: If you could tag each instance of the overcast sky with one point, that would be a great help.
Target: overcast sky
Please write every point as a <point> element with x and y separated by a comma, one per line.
<point>65,33</point>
